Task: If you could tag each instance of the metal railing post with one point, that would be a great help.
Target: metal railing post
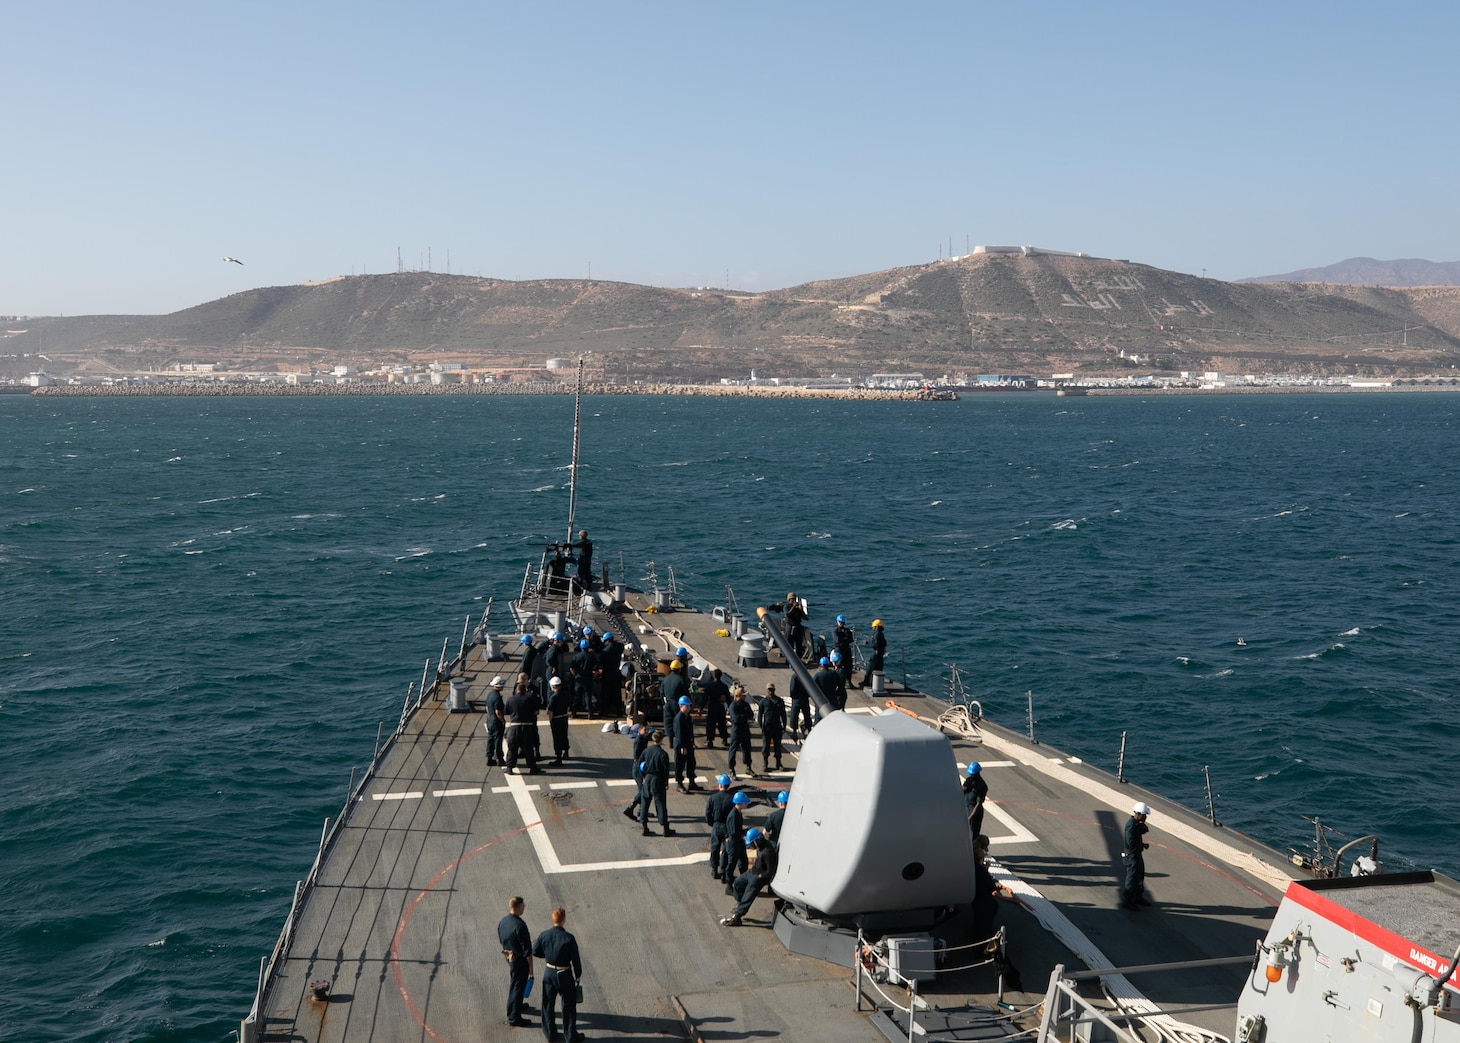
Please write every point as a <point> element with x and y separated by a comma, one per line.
<point>1211,803</point>
<point>1120,764</point>
<point>1029,697</point>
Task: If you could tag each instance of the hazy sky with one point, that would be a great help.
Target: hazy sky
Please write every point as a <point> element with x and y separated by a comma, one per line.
<point>675,143</point>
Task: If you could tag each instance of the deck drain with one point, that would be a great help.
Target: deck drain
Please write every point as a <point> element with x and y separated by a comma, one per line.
<point>560,798</point>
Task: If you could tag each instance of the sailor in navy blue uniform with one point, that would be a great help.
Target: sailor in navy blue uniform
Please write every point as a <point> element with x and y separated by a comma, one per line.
<point>741,716</point>
<point>521,712</point>
<point>642,731</point>
<point>830,683</point>
<point>749,883</point>
<point>559,704</point>
<point>775,821</point>
<point>801,719</point>
<point>716,694</point>
<point>1133,892</point>
<point>684,748</point>
<point>879,651</point>
<point>975,794</point>
<point>496,722</point>
<point>732,855</point>
<point>717,810</point>
<point>517,948</point>
<point>671,686</point>
<point>845,640</point>
<point>655,768</point>
<point>562,969</point>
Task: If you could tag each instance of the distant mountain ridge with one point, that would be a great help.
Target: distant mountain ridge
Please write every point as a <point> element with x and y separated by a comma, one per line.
<point>1014,314</point>
<point>1366,271</point>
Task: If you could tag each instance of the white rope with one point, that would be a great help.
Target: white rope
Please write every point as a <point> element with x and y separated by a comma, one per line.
<point>1117,986</point>
<point>956,719</point>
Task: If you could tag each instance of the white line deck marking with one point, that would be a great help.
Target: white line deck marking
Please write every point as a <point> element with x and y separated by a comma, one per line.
<point>533,788</point>
<point>547,855</point>
<point>1019,833</point>
<point>988,764</point>
<point>412,795</point>
<point>572,785</point>
<point>620,782</point>
<point>470,791</point>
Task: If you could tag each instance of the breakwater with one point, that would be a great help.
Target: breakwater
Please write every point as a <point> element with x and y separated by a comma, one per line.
<point>543,387</point>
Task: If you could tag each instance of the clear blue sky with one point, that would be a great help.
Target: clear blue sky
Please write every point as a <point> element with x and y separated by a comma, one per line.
<point>672,144</point>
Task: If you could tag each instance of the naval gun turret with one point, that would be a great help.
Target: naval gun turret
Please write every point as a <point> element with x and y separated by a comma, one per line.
<point>876,831</point>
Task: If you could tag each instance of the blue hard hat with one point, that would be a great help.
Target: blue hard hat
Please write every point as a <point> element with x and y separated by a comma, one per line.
<point>841,619</point>
<point>641,765</point>
<point>723,780</point>
<point>836,657</point>
<point>583,643</point>
<point>587,628</point>
<point>558,635</point>
<point>752,835</point>
<point>825,661</point>
<point>684,700</point>
<point>782,797</point>
<point>681,652</point>
<point>974,767</point>
<point>608,635</point>
<point>741,798</point>
<point>525,639</point>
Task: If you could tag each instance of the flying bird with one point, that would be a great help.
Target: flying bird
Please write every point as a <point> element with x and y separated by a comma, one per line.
<point>235,260</point>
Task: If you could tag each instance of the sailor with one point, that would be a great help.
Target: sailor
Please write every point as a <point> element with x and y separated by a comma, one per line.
<point>732,854</point>
<point>610,681</point>
<point>830,682</point>
<point>795,623</point>
<point>717,810</point>
<point>749,883</point>
<point>496,721</point>
<point>986,892</point>
<point>671,686</point>
<point>655,787</point>
<point>558,706</point>
<point>741,716</point>
<point>517,949</point>
<point>521,710</point>
<point>641,734</point>
<point>845,640</point>
<point>879,650</point>
<point>529,653</point>
<point>537,677</point>
<point>975,792</point>
<point>772,721</point>
<point>776,819</point>
<point>585,560</point>
<point>1133,893</point>
<point>801,719</point>
<point>562,970</point>
<point>715,693</point>
<point>684,749</point>
<point>585,677</point>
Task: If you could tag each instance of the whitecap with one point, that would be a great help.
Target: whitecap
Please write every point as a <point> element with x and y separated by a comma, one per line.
<point>543,489</point>
<point>173,459</point>
<point>1350,633</point>
<point>23,491</point>
<point>933,504</point>
<point>1068,523</point>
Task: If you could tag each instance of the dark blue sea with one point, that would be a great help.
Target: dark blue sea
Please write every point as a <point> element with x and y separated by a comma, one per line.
<point>207,606</point>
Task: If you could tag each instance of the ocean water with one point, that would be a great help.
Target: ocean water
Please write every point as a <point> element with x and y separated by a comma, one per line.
<point>209,606</point>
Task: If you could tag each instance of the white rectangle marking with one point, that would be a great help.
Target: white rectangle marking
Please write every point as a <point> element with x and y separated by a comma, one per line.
<point>573,785</point>
<point>412,795</point>
<point>470,791</point>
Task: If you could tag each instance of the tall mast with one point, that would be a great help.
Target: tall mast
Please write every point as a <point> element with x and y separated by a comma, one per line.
<point>573,475</point>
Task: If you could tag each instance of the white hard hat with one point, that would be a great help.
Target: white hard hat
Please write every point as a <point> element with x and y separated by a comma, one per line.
<point>556,681</point>
<point>498,682</point>
<point>1141,808</point>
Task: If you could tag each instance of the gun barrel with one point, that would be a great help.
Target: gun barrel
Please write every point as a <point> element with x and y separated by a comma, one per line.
<point>822,704</point>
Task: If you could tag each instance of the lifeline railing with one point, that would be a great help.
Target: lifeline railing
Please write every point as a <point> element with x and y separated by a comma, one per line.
<point>1068,1015</point>
<point>873,965</point>
<point>251,1028</point>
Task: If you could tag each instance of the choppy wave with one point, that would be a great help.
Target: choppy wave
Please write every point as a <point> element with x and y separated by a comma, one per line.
<point>213,685</point>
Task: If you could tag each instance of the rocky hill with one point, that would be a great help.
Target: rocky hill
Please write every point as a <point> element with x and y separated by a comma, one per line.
<point>1366,271</point>
<point>983,313</point>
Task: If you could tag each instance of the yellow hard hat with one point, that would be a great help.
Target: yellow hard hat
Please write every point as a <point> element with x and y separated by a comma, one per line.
<point>876,622</point>
<point>675,665</point>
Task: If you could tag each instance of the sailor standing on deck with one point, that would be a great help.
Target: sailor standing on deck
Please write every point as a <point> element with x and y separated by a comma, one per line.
<point>585,560</point>
<point>772,721</point>
<point>975,793</point>
<point>845,640</point>
<point>655,767</point>
<point>717,810</point>
<point>585,676</point>
<point>801,719</point>
<point>684,748</point>
<point>671,686</point>
<point>522,737</point>
<point>775,821</point>
<point>1132,894</point>
<point>496,722</point>
<point>611,682</point>
<point>562,970</point>
<point>716,694</point>
<point>559,704</point>
<point>641,734</point>
<point>830,682</point>
<point>517,948</point>
<point>732,855</point>
<point>741,715</point>
<point>879,651</point>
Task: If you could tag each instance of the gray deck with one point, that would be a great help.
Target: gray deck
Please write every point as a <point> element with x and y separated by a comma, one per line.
<point>402,921</point>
